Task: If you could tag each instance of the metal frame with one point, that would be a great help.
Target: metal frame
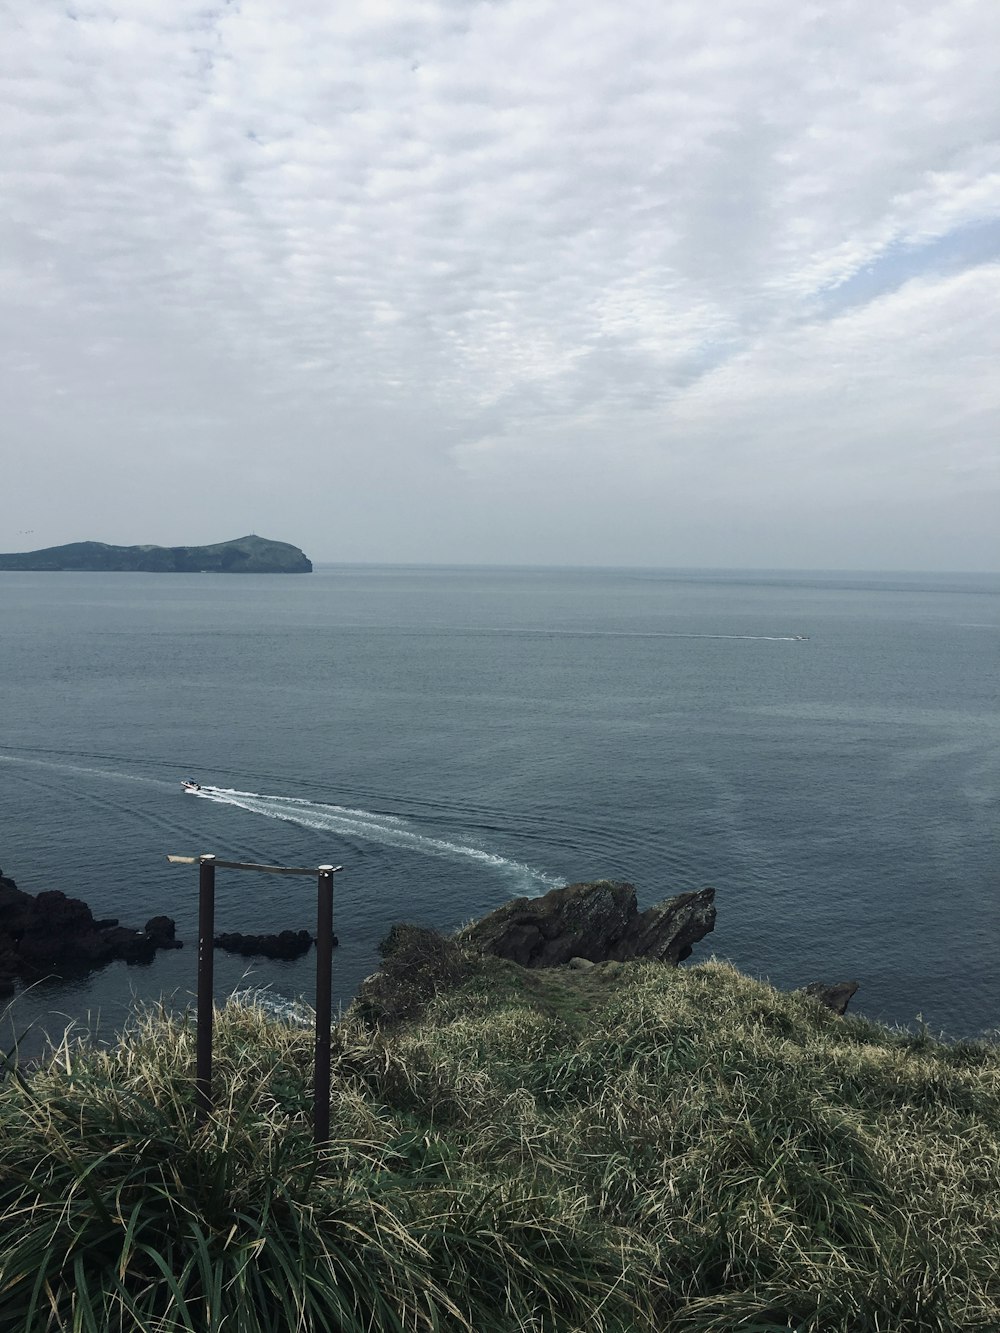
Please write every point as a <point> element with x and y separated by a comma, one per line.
<point>207,864</point>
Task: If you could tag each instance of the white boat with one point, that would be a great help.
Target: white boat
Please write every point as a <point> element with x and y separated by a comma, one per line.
<point>191,786</point>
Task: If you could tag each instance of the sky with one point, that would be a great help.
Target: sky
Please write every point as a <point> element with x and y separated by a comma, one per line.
<point>517,282</point>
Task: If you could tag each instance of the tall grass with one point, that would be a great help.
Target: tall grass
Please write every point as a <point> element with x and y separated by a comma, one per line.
<point>116,1212</point>
<point>619,1149</point>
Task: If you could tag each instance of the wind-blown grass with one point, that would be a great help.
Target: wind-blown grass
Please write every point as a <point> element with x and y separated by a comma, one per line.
<point>626,1148</point>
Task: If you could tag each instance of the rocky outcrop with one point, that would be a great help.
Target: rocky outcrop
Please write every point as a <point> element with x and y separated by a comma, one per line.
<point>836,997</point>
<point>49,934</point>
<point>596,922</point>
<point>286,944</point>
<point>162,931</point>
<point>417,964</point>
<point>243,555</point>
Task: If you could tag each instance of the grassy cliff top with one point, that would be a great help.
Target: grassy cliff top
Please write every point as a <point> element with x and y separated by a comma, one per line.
<point>628,1148</point>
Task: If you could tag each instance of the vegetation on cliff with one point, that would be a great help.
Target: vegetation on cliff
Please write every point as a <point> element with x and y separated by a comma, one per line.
<point>243,555</point>
<point>628,1147</point>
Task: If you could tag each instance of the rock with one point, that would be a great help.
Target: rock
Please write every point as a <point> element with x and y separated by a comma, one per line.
<point>578,921</point>
<point>580,964</point>
<point>8,965</point>
<point>61,935</point>
<point>53,934</point>
<point>668,931</point>
<point>10,899</point>
<point>57,926</point>
<point>286,944</point>
<point>836,997</point>
<point>15,906</point>
<point>162,931</point>
<point>134,946</point>
<point>596,922</point>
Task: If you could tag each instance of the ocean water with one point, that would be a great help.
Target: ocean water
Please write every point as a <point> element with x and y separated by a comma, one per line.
<point>821,748</point>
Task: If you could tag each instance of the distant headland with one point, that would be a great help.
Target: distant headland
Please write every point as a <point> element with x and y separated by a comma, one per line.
<point>244,555</point>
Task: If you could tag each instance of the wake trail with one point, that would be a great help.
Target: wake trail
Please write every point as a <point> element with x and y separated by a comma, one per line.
<point>635,634</point>
<point>369,826</point>
<point>50,791</point>
<point>81,769</point>
<point>363,825</point>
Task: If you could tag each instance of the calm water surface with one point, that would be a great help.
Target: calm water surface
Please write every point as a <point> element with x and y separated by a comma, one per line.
<point>455,737</point>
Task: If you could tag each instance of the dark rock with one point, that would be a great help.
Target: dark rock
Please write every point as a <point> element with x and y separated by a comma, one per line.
<point>579,920</point>
<point>134,946</point>
<point>10,900</point>
<point>15,907</point>
<point>286,944</point>
<point>162,930</point>
<point>61,937</point>
<point>8,964</point>
<point>836,997</point>
<point>52,934</point>
<point>668,931</point>
<point>597,922</point>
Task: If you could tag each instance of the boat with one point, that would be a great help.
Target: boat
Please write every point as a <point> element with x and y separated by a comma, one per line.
<point>191,786</point>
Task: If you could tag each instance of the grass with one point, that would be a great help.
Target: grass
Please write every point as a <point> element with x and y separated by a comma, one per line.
<point>623,1149</point>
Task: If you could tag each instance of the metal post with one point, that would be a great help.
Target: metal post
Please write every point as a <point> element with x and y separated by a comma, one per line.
<point>324,979</point>
<point>206,998</point>
<point>324,1005</point>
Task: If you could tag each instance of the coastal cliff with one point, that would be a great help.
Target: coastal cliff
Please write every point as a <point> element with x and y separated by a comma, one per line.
<point>243,555</point>
<point>602,1140</point>
<point>629,1147</point>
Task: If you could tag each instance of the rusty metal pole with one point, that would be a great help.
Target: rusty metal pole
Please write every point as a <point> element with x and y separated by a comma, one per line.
<point>206,998</point>
<point>324,1005</point>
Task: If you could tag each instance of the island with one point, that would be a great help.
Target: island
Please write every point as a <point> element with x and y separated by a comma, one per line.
<point>244,555</point>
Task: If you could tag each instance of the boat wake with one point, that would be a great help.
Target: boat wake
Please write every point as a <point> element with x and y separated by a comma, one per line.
<point>633,634</point>
<point>371,827</point>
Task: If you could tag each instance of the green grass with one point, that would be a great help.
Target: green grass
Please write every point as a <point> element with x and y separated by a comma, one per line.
<point>619,1149</point>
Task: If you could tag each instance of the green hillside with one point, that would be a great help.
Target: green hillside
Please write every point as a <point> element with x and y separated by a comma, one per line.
<point>630,1148</point>
<point>244,555</point>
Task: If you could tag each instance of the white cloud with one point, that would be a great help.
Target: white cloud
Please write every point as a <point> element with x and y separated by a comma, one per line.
<point>603,247</point>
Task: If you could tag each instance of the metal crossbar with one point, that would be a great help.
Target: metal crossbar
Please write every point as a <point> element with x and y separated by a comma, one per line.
<point>251,865</point>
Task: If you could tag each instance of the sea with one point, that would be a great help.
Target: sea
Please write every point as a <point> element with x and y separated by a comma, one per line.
<point>822,748</point>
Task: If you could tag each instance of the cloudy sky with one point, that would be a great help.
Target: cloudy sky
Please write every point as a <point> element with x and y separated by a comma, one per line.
<point>630,282</point>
